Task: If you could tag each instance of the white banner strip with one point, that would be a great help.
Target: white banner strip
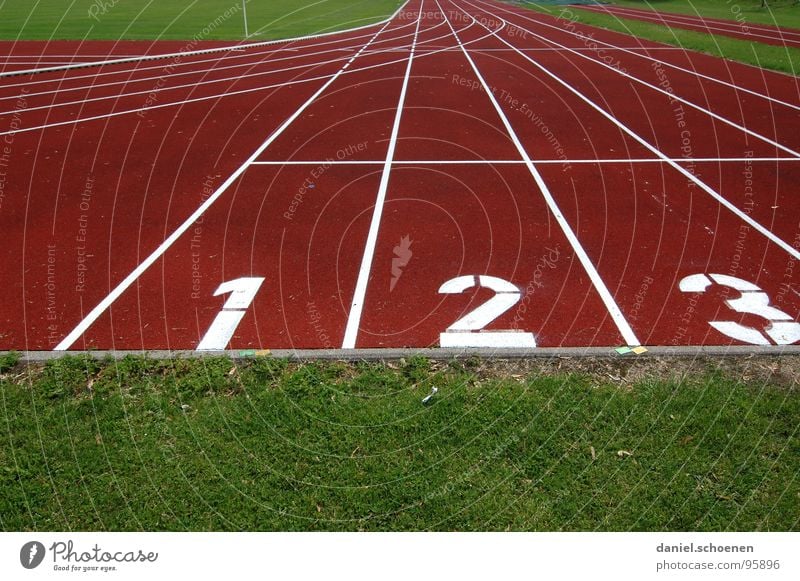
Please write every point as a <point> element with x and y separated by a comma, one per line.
<point>401,556</point>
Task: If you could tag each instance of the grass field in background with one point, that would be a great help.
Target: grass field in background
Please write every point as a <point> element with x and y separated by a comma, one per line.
<point>169,19</point>
<point>777,58</point>
<point>269,445</point>
<point>778,13</point>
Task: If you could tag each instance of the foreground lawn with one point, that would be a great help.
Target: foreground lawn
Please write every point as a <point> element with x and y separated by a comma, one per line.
<point>777,58</point>
<point>268,445</point>
<point>169,19</point>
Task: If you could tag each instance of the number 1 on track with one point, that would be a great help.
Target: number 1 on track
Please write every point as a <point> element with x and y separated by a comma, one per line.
<point>243,291</point>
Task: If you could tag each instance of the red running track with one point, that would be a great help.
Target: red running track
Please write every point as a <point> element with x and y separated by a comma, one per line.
<point>737,28</point>
<point>465,174</point>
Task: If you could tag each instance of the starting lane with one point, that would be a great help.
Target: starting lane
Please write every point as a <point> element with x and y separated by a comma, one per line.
<point>651,227</point>
<point>224,248</point>
<point>473,248</point>
<point>83,205</point>
<point>469,254</point>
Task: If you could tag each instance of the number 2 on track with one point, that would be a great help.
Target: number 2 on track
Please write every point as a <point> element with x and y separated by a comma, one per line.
<point>243,291</point>
<point>468,330</point>
<point>783,330</point>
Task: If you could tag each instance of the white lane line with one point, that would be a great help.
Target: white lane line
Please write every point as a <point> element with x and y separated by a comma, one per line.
<point>246,54</point>
<point>216,96</point>
<point>670,95</point>
<point>133,80</point>
<point>660,19</point>
<point>357,305</point>
<point>689,175</point>
<point>649,58</point>
<point>611,305</point>
<point>65,56</point>
<point>95,313</point>
<point>192,85</point>
<point>776,30</point>
<point>687,160</point>
<point>198,52</point>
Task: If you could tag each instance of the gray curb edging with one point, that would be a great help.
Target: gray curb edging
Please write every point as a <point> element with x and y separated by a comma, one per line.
<point>431,353</point>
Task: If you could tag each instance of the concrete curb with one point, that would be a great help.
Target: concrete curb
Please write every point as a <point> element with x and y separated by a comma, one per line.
<point>431,353</point>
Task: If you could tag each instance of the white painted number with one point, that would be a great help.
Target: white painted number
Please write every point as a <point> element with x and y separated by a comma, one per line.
<point>243,291</point>
<point>783,330</point>
<point>468,331</point>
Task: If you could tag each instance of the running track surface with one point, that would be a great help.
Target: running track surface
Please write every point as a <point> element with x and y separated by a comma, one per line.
<point>467,173</point>
<point>742,29</point>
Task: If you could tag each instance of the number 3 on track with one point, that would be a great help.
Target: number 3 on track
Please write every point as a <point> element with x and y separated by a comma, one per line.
<point>468,330</point>
<point>783,330</point>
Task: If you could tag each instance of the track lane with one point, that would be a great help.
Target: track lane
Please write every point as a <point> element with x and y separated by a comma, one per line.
<point>121,324</point>
<point>644,224</point>
<point>734,121</point>
<point>593,40</point>
<point>659,214</point>
<point>442,222</point>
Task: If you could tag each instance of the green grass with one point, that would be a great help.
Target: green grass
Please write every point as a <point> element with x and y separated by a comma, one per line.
<point>268,445</point>
<point>778,13</point>
<point>767,56</point>
<point>170,19</point>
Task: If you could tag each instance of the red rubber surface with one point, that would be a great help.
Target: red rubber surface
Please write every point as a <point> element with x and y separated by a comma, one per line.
<point>737,27</point>
<point>101,165</point>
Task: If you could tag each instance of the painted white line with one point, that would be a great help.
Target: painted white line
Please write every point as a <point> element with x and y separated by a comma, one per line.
<point>689,175</point>
<point>357,305</point>
<point>211,97</point>
<point>670,95</point>
<point>692,19</point>
<point>199,52</point>
<point>247,54</point>
<point>64,56</point>
<point>661,18</point>
<point>598,161</point>
<point>192,85</point>
<point>655,60</point>
<point>95,313</point>
<point>611,305</point>
<point>255,56</point>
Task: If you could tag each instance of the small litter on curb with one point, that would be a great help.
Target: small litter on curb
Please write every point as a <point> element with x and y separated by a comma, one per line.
<point>255,353</point>
<point>429,397</point>
<point>626,350</point>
